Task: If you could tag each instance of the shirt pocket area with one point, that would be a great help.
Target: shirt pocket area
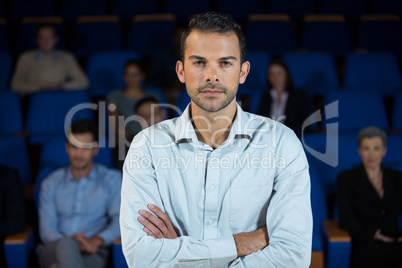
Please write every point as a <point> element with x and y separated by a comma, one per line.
<point>249,200</point>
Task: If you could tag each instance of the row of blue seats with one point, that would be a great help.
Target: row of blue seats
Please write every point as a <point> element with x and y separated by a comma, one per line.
<point>345,112</point>
<point>72,9</point>
<point>54,156</point>
<point>151,34</point>
<point>314,72</point>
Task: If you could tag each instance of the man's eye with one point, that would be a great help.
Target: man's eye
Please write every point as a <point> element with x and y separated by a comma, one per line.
<point>198,63</point>
<point>226,63</point>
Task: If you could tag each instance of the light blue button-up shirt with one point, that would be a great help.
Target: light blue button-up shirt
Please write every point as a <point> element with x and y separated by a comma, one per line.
<point>257,177</point>
<point>90,205</point>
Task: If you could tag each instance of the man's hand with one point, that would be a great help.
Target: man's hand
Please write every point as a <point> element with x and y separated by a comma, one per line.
<point>379,236</point>
<point>88,245</point>
<point>247,243</point>
<point>158,225</point>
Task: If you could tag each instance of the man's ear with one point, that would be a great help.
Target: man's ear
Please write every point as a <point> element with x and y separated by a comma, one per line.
<point>180,71</point>
<point>245,69</point>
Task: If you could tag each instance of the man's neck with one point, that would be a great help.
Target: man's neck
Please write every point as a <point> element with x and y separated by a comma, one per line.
<point>79,173</point>
<point>213,128</point>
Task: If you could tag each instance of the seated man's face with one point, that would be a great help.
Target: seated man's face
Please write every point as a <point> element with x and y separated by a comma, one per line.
<point>151,113</point>
<point>81,150</point>
<point>46,39</point>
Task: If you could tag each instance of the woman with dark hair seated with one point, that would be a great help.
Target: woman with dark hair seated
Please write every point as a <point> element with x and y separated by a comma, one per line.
<point>369,204</point>
<point>281,101</point>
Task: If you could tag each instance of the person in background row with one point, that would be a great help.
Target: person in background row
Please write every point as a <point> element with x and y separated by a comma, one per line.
<point>47,68</point>
<point>281,101</point>
<point>369,204</point>
<point>79,206</point>
<point>122,102</point>
<point>12,206</point>
<point>150,112</point>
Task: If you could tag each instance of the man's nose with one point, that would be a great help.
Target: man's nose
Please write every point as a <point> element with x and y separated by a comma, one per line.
<point>212,75</point>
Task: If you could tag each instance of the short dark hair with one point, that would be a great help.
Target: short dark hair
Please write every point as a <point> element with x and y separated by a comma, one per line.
<point>289,81</point>
<point>84,126</point>
<point>214,22</point>
<point>135,62</point>
<point>143,101</point>
<point>46,25</point>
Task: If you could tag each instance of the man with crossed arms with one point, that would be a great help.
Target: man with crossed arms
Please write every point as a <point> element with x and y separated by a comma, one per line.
<point>215,187</point>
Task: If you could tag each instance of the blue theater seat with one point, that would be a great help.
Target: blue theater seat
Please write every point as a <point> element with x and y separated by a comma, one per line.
<point>10,114</point>
<point>126,9</point>
<point>372,72</point>
<point>278,35</point>
<point>96,33</point>
<point>312,72</point>
<point>105,71</point>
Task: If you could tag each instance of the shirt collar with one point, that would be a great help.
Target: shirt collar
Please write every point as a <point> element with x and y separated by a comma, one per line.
<point>92,174</point>
<point>185,133</point>
<point>41,55</point>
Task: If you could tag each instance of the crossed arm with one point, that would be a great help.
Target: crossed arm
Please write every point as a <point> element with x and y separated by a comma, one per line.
<point>158,225</point>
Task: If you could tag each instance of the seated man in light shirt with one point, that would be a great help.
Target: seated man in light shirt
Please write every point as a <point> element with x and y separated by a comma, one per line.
<point>79,206</point>
<point>47,68</point>
<point>215,187</point>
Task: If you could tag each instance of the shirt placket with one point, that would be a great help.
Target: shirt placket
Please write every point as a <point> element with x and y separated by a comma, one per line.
<point>211,196</point>
<point>78,201</point>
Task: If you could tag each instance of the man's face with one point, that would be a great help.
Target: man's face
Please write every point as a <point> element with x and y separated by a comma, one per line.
<point>212,69</point>
<point>81,157</point>
<point>46,39</point>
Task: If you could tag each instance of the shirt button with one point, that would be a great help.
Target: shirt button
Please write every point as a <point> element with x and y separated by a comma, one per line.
<point>382,212</point>
<point>212,188</point>
<point>210,222</point>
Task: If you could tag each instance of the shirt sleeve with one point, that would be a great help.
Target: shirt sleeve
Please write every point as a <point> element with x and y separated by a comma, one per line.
<point>77,78</point>
<point>19,81</point>
<point>289,217</point>
<point>48,221</point>
<point>112,231</point>
<point>140,188</point>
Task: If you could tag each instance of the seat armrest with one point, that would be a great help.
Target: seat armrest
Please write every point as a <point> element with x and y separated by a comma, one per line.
<point>334,232</point>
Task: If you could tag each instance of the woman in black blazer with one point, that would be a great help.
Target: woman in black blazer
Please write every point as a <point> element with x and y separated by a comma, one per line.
<point>369,204</point>
<point>281,101</point>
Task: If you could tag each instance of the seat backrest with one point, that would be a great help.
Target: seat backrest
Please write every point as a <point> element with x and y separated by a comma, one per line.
<point>183,10</point>
<point>257,77</point>
<point>350,9</point>
<point>358,110</point>
<point>4,44</point>
<point>20,9</point>
<point>126,9</point>
<point>151,34</point>
<point>105,71</point>
<point>312,72</point>
<point>294,8</point>
<point>48,110</point>
<point>372,72</point>
<point>318,206</point>
<point>397,112</point>
<point>96,33</point>
<point>10,113</point>
<point>72,9</point>
<point>278,34</point>
<point>14,153</point>
<point>5,67</point>
<point>326,33</point>
<point>380,33</point>
<point>386,7</point>
<point>240,9</point>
